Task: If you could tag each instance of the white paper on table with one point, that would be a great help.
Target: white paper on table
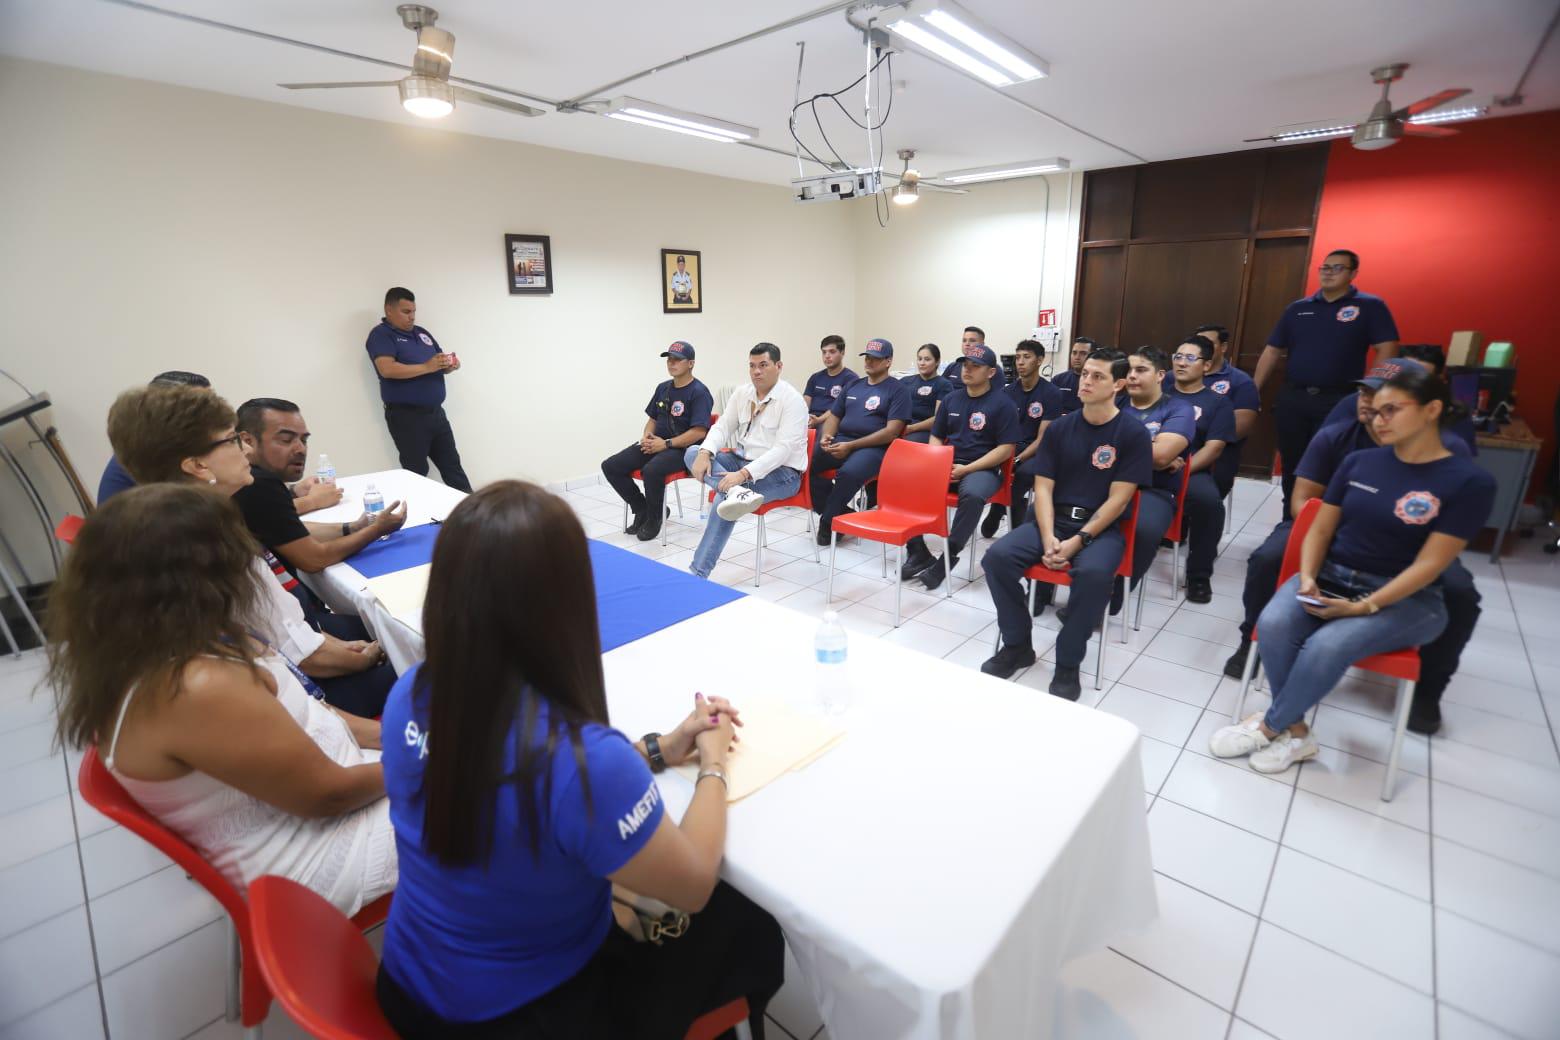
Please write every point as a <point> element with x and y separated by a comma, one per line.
<point>776,739</point>
<point>402,592</point>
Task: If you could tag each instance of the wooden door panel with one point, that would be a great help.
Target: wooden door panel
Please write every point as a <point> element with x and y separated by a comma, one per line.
<point>1099,293</point>
<point>1172,287</point>
<point>1277,279</point>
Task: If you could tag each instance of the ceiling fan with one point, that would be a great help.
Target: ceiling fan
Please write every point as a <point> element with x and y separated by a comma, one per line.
<point>1385,126</point>
<point>908,189</point>
<point>427,92</point>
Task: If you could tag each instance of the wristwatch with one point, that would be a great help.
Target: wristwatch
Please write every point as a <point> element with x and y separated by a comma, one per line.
<point>346,529</point>
<point>1086,538</point>
<point>653,752</point>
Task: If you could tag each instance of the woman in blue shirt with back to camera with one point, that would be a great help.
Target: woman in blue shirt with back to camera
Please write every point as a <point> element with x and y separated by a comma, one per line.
<point>1392,519</point>
<point>517,807</point>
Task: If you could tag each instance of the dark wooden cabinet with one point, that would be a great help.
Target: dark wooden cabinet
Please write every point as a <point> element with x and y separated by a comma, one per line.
<point>1226,238</point>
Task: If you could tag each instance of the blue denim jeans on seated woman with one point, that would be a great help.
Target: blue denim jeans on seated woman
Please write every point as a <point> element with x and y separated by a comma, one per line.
<point>1306,656</point>
<point>783,482</point>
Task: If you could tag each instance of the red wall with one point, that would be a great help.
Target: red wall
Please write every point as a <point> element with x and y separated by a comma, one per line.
<point>1462,233</point>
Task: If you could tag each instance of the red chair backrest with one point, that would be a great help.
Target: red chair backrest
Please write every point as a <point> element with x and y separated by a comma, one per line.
<point>1303,522</point>
<point>803,496</point>
<point>317,963</point>
<point>1173,532</point>
<point>914,479</point>
<point>1129,533</point>
<point>68,528</point>
<point>1004,495</point>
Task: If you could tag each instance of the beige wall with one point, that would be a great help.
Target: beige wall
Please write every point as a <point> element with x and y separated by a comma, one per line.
<point>150,227</point>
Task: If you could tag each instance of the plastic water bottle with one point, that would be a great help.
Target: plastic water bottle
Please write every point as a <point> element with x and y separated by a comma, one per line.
<point>326,470</point>
<point>373,502</point>
<point>833,677</point>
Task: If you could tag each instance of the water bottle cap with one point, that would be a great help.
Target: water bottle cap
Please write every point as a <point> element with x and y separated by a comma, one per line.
<point>371,487</point>
<point>830,616</point>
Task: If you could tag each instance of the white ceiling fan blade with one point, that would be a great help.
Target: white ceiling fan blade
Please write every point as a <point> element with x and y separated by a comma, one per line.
<point>1427,103</point>
<point>339,86</point>
<point>476,98</point>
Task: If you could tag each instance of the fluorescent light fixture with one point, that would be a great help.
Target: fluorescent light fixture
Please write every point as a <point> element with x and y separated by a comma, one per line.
<point>1005,171</point>
<point>1314,133</point>
<point>427,97</point>
<point>949,33</point>
<point>646,113</point>
<point>1449,115</point>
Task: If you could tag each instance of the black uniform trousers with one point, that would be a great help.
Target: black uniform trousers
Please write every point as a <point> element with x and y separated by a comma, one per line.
<point>655,468</point>
<point>1300,413</point>
<point>1203,524</point>
<point>422,432</point>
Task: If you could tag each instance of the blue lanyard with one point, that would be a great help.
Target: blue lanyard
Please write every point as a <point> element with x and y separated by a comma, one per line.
<point>310,687</point>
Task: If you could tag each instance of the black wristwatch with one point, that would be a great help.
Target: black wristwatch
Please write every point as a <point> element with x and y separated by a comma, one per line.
<point>653,751</point>
<point>346,529</point>
<point>1086,538</point>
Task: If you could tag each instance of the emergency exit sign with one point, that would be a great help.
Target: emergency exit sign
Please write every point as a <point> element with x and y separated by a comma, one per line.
<point>1047,319</point>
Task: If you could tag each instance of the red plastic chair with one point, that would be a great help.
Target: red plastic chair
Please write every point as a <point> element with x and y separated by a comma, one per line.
<point>671,478</point>
<point>248,998</point>
<point>1040,572</point>
<point>67,529</point>
<point>1003,498</point>
<point>322,969</point>
<point>912,489</point>
<point>801,500</point>
<point>1402,665</point>
<point>1175,535</point>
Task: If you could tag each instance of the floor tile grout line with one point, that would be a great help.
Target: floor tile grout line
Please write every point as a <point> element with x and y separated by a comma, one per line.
<point>1435,931</point>
<point>1178,985</point>
<point>1528,656</point>
<point>1502,1030</point>
<point>1485,924</point>
<point>81,863</point>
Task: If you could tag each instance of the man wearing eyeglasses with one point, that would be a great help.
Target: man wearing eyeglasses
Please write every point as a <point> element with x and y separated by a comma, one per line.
<point>1325,338</point>
<point>1204,506</point>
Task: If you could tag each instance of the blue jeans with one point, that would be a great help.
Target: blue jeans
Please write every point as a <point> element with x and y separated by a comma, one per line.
<point>1306,656</point>
<point>782,483</point>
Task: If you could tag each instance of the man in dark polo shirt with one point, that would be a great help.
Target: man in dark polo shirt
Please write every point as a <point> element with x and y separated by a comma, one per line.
<point>1325,338</point>
<point>679,417</point>
<point>411,368</point>
<point>276,440</point>
<point>1067,382</point>
<point>855,435</point>
<point>825,386</point>
<point>1235,386</point>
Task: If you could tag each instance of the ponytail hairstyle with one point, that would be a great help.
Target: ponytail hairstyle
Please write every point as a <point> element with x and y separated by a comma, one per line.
<point>1424,387</point>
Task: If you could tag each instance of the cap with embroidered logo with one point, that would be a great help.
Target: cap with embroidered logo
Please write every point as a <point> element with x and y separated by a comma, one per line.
<point>1387,369</point>
<point>878,348</point>
<point>682,350</point>
<point>981,355</point>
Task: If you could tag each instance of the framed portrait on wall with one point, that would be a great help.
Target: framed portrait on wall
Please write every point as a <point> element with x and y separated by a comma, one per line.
<point>681,292</point>
<point>528,261</point>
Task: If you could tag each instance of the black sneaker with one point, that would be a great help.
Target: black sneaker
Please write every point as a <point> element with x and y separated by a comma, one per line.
<point>1065,684</point>
<point>915,565</point>
<point>636,523</point>
<point>1235,667</point>
<point>988,527</point>
<point>1424,717</point>
<point>1009,660</point>
<point>933,576</point>
<point>1199,590</point>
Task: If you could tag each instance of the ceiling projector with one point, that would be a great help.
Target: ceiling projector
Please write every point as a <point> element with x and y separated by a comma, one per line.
<point>844,184</point>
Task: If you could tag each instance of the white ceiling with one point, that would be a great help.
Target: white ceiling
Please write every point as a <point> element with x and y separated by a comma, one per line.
<point>1160,80</point>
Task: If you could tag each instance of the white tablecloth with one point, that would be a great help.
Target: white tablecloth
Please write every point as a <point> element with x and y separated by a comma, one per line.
<point>935,870</point>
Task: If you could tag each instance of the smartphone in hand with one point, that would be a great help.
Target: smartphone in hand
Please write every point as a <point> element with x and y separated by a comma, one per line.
<point>1310,601</point>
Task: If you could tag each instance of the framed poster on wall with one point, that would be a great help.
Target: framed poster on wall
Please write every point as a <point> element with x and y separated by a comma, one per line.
<point>528,260</point>
<point>681,291</point>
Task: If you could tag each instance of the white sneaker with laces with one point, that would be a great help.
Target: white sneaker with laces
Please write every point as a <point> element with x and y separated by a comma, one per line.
<point>739,503</point>
<point>1282,752</point>
<point>1240,739</point>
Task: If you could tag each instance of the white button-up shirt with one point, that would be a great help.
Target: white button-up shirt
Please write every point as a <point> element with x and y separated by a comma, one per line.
<point>768,432</point>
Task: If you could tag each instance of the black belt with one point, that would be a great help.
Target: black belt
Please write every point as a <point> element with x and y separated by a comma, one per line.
<point>1346,388</point>
<point>1074,513</point>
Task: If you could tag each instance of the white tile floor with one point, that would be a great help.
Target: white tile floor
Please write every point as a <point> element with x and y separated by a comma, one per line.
<point>1294,906</point>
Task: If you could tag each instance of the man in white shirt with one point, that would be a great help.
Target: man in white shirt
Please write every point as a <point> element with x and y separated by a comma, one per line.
<point>764,426</point>
<point>682,282</point>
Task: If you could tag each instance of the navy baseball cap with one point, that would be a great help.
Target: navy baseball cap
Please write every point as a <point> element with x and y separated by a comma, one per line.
<point>981,355</point>
<point>1387,369</point>
<point>682,350</point>
<point>878,348</point>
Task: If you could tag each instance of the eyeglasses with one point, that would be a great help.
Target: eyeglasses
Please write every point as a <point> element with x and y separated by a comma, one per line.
<point>1333,269</point>
<point>1387,411</point>
<point>237,440</point>
<point>1190,359</point>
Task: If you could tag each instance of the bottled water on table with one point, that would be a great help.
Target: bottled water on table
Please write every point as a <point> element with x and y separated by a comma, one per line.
<point>326,470</point>
<point>833,676</point>
<point>373,501</point>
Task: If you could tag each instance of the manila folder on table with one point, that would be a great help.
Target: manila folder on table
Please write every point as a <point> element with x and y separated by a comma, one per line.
<point>402,592</point>
<point>775,739</point>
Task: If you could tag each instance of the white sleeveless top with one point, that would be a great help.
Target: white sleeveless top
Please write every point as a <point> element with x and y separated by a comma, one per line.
<point>348,859</point>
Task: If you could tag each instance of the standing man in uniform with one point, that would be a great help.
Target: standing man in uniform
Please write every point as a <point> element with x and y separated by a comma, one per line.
<point>825,386</point>
<point>981,423</point>
<point>1090,463</point>
<point>1067,382</point>
<point>1204,510</point>
<point>869,416</point>
<point>679,416</point>
<point>1325,337</point>
<point>1230,382</point>
<point>682,282</point>
<point>411,368</point>
<point>1038,403</point>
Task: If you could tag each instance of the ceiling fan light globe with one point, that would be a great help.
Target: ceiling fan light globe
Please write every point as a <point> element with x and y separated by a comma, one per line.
<point>906,194</point>
<point>1376,134</point>
<point>427,98</point>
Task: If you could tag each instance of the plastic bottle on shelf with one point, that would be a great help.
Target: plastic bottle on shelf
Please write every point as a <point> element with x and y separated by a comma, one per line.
<point>830,650</point>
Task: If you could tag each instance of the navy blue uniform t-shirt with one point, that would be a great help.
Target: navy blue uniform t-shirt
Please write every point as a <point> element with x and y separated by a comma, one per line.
<point>476,941</point>
<point>1067,383</point>
<point>1084,459</point>
<point>1347,410</point>
<point>976,425</point>
<point>114,480</point>
<point>925,395</point>
<point>1391,508</point>
<point>677,409</point>
<point>1215,419</point>
<point>1041,404</point>
<point>1169,414</point>
<point>1333,443</point>
<point>864,409</point>
<point>409,348</point>
<point>823,389</point>
<point>1327,342</point>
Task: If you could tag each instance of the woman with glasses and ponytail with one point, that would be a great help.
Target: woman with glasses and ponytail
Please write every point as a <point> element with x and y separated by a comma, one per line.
<point>1392,520</point>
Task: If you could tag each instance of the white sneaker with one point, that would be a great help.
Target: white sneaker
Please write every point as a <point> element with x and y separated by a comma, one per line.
<point>1237,740</point>
<point>739,503</point>
<point>1282,752</point>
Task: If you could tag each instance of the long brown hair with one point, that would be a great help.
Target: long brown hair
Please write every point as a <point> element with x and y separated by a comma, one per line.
<point>510,625</point>
<point>157,576</point>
